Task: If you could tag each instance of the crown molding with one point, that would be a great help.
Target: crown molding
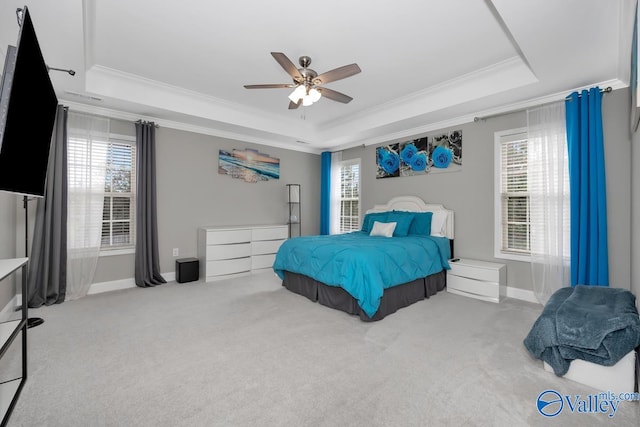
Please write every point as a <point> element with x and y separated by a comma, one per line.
<point>506,75</point>
<point>111,83</point>
<point>501,76</point>
<point>187,127</point>
<point>460,120</point>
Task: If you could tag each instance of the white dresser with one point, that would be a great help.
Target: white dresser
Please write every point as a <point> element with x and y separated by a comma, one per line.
<point>231,251</point>
<point>477,279</point>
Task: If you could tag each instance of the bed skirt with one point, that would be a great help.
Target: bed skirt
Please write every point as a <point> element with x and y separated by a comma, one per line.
<point>392,300</point>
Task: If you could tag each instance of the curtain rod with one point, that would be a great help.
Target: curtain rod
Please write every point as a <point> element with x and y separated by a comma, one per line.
<point>477,119</point>
<point>144,122</point>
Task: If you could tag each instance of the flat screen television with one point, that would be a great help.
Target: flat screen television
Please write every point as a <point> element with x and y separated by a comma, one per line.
<point>28,105</point>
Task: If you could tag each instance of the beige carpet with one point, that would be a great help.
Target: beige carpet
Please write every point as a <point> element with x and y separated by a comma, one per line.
<point>246,352</point>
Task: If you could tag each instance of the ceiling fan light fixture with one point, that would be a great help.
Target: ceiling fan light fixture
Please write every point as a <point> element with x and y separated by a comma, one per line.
<point>299,92</point>
<point>315,95</point>
<point>308,97</point>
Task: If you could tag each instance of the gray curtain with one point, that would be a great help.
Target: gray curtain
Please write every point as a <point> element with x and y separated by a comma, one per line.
<point>147,263</point>
<point>47,282</point>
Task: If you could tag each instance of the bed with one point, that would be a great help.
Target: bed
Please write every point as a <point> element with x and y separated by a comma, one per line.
<point>373,276</point>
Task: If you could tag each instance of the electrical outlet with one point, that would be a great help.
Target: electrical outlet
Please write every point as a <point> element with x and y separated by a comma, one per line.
<point>176,252</point>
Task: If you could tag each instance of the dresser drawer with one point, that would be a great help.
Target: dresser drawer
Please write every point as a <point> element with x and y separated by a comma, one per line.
<point>475,287</point>
<point>265,247</point>
<point>262,261</point>
<point>221,237</point>
<point>231,251</point>
<point>274,233</point>
<point>228,266</point>
<point>237,250</point>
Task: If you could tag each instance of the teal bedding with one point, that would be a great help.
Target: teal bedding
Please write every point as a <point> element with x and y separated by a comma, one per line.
<point>363,265</point>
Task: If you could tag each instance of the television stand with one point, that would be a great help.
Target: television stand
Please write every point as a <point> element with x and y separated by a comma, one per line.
<point>10,331</point>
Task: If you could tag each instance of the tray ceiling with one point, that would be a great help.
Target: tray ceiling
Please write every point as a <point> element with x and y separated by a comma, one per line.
<point>424,65</point>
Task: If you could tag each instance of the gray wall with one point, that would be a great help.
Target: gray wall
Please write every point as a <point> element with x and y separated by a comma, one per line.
<point>470,192</point>
<point>635,214</point>
<point>191,193</point>
<point>7,232</point>
<point>8,237</point>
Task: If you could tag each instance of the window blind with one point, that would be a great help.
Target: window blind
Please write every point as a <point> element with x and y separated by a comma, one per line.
<point>349,196</point>
<point>118,227</point>
<point>105,168</point>
<point>514,194</point>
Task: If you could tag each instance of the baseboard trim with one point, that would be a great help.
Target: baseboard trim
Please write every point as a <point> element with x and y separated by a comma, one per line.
<point>521,294</point>
<point>114,285</point>
<point>117,285</point>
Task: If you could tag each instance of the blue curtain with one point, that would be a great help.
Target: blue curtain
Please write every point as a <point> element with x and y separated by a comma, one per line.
<point>325,193</point>
<point>589,247</point>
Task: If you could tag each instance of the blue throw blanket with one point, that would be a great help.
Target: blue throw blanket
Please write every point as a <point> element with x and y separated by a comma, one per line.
<point>361,264</point>
<point>592,323</point>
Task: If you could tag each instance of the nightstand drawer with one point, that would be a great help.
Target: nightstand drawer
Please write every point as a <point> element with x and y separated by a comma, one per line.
<point>477,279</point>
<point>475,287</point>
<point>478,270</point>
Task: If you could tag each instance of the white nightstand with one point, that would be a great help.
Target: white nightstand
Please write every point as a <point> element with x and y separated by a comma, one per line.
<point>477,279</point>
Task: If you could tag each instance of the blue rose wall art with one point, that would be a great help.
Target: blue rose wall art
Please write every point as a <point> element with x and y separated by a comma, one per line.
<point>446,151</point>
<point>388,161</point>
<point>414,158</point>
<point>441,153</point>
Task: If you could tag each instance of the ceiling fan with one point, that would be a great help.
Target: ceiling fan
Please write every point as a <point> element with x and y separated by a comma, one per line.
<point>308,83</point>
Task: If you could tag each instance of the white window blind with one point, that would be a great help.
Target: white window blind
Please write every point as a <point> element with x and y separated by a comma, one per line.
<point>349,196</point>
<point>513,217</point>
<point>118,217</point>
<point>104,166</point>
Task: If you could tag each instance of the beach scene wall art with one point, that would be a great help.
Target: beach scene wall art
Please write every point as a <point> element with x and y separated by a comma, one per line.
<point>420,156</point>
<point>248,165</point>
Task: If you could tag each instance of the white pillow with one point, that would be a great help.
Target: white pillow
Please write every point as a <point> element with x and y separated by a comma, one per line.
<point>437,223</point>
<point>384,229</point>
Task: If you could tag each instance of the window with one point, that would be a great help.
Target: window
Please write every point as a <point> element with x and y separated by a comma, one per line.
<point>101,187</point>
<point>512,210</point>
<point>118,219</point>
<point>349,196</point>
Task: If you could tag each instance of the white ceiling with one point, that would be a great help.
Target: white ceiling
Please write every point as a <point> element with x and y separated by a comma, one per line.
<point>425,64</point>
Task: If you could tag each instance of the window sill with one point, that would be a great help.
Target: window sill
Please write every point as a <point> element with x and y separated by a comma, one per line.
<point>512,257</point>
<point>120,251</point>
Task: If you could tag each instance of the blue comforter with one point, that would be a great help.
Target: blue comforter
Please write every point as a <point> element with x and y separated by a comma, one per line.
<point>363,265</point>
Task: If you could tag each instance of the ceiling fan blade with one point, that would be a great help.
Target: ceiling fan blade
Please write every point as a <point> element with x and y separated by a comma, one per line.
<point>334,95</point>
<point>294,105</point>
<point>269,86</point>
<point>337,74</point>
<point>288,66</point>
